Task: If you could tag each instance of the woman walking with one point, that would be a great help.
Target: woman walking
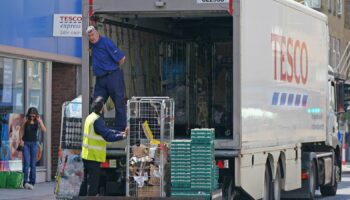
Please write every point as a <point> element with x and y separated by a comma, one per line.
<point>30,129</point>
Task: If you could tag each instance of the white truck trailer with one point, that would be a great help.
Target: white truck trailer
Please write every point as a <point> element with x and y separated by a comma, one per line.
<point>282,136</point>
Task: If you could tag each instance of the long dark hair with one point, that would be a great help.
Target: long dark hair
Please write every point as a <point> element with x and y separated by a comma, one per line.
<point>31,111</point>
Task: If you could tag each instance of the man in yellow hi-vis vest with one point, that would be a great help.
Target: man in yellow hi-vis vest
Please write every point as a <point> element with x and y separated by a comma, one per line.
<point>96,136</point>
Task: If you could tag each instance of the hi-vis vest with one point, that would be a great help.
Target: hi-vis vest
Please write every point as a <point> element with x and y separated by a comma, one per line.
<point>94,146</point>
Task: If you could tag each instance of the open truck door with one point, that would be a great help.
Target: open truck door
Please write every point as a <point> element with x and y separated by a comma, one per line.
<point>196,62</point>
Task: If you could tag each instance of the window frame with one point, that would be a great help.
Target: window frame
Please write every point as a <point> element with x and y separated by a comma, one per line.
<point>340,7</point>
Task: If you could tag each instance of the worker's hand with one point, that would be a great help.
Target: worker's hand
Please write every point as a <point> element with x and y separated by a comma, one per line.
<point>122,61</point>
<point>126,133</point>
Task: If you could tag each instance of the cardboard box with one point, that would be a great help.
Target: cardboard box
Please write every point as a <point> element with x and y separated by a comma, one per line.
<point>148,191</point>
<point>140,151</point>
<point>154,179</point>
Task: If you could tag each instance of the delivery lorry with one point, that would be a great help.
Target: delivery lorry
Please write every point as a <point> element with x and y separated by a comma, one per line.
<point>256,71</point>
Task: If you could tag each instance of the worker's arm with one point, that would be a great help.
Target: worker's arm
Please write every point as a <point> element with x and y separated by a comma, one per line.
<point>109,135</point>
<point>117,55</point>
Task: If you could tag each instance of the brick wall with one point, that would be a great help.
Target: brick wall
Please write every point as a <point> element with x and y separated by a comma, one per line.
<point>63,89</point>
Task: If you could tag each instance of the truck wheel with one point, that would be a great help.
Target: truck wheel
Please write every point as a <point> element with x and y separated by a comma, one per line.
<point>268,185</point>
<point>331,190</point>
<point>312,180</point>
<point>277,184</point>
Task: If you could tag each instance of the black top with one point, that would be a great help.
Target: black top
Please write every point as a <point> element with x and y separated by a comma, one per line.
<point>30,132</point>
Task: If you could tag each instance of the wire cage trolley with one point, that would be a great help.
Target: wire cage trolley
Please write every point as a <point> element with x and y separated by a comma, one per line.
<point>151,125</point>
<point>70,168</point>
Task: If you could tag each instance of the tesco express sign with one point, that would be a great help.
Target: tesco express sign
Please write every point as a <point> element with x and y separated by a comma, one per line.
<point>67,25</point>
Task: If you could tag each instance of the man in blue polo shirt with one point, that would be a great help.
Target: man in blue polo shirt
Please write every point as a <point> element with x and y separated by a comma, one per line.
<point>106,61</point>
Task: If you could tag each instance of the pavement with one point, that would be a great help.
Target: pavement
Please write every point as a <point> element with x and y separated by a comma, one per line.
<point>44,191</point>
<point>41,191</point>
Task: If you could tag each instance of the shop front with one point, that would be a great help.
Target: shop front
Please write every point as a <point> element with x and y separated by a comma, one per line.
<point>37,69</point>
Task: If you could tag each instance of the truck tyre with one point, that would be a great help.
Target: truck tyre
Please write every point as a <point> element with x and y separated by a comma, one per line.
<point>312,180</point>
<point>330,190</point>
<point>277,184</point>
<point>268,184</point>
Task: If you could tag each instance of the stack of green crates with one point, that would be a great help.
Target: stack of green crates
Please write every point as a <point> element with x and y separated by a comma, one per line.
<point>203,166</point>
<point>180,156</point>
<point>197,163</point>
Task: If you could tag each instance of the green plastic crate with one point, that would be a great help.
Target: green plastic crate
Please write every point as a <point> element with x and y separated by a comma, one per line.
<point>202,135</point>
<point>181,184</point>
<point>181,141</point>
<point>176,150</point>
<point>178,189</point>
<point>179,156</point>
<point>202,131</point>
<point>180,153</point>
<point>177,175</point>
<point>192,194</point>
<point>202,161</point>
<point>177,161</point>
<point>202,145</point>
<point>207,166</point>
<point>173,174</point>
<point>202,151</point>
<point>180,148</point>
<point>180,179</point>
<point>180,169</point>
<point>180,164</point>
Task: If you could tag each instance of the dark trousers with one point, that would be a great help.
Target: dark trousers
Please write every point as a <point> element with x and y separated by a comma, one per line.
<point>91,180</point>
<point>112,85</point>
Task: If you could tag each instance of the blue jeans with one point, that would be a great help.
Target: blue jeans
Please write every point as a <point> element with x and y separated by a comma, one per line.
<point>112,85</point>
<point>29,160</point>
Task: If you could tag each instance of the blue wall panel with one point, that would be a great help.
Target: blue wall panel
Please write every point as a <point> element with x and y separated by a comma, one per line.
<point>29,24</point>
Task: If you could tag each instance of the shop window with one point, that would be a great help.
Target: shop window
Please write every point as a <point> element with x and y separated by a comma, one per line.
<point>35,79</point>
<point>11,85</point>
<point>17,94</point>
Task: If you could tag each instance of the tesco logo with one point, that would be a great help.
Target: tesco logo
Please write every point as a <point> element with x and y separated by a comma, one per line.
<point>291,59</point>
<point>71,19</point>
